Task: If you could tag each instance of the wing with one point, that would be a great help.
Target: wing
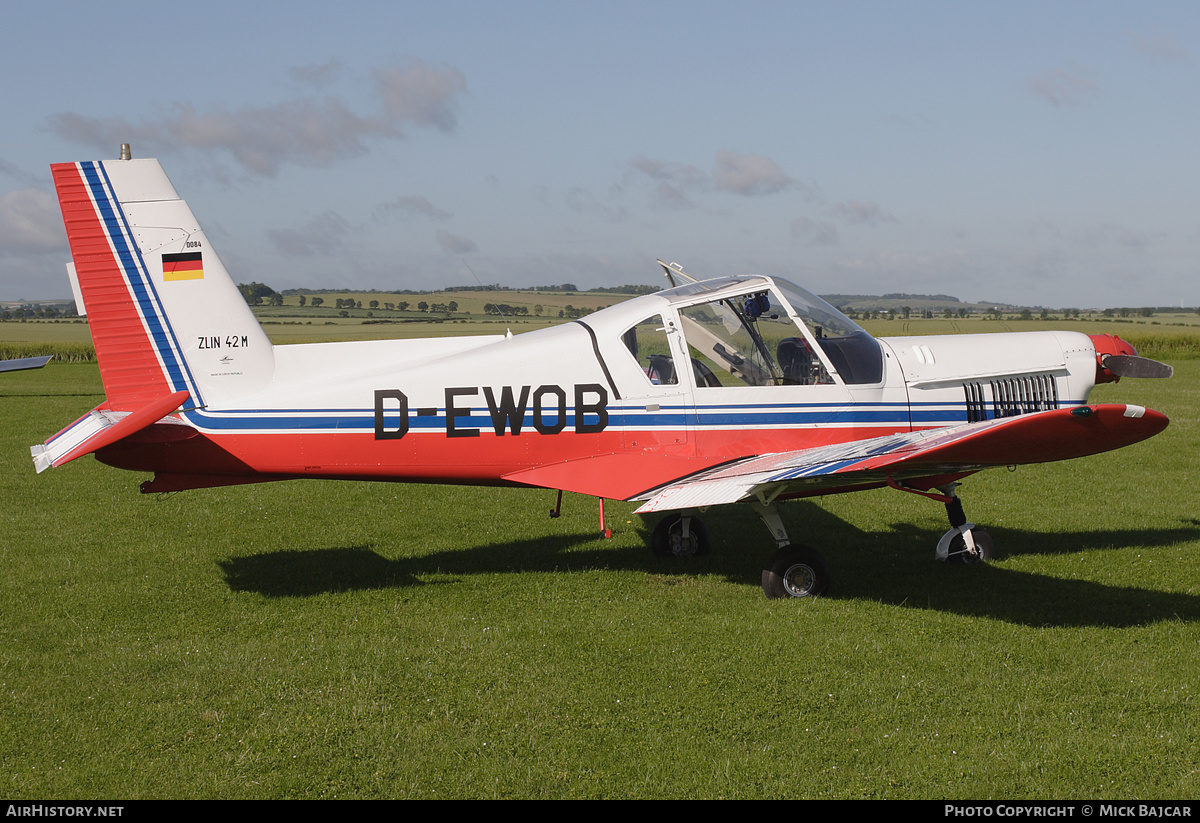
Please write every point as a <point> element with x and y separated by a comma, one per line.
<point>23,363</point>
<point>1041,437</point>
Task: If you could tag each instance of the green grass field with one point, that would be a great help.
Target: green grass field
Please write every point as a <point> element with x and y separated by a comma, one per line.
<point>310,639</point>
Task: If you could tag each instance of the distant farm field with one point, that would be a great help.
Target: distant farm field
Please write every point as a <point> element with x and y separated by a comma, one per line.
<point>320,639</point>
<point>1163,336</point>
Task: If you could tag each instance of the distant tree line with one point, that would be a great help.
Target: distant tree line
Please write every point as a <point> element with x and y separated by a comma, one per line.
<point>37,311</point>
<point>505,310</point>
<point>258,294</point>
<point>632,288</point>
<point>835,299</point>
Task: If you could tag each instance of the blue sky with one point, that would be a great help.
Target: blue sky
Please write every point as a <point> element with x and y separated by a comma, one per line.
<point>1036,153</point>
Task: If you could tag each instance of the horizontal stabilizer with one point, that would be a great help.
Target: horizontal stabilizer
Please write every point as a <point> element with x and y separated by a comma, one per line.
<point>99,428</point>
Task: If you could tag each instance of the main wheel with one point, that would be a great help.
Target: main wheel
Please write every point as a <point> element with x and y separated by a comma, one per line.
<point>668,541</point>
<point>795,571</point>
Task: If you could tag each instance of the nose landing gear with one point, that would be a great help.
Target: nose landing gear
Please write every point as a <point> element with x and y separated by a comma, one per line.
<point>965,542</point>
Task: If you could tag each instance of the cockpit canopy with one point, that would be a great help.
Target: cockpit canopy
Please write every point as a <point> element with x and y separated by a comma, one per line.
<point>770,332</point>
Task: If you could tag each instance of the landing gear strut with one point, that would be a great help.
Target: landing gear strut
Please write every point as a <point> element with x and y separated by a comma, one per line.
<point>965,542</point>
<point>679,535</point>
<point>798,571</point>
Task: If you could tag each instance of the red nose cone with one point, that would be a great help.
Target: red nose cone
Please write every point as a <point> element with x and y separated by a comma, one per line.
<point>1106,344</point>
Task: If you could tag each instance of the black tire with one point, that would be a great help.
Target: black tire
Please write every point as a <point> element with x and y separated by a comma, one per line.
<point>795,571</point>
<point>667,539</point>
<point>985,548</point>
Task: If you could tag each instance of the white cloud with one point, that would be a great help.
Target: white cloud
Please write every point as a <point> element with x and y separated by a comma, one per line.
<point>1112,234</point>
<point>307,132</point>
<point>421,94</point>
<point>673,181</point>
<point>322,235</point>
<point>584,202</point>
<point>679,174</point>
<point>20,175</point>
<point>455,244</point>
<point>411,206</point>
<point>813,232</point>
<point>864,213</point>
<point>1159,46</point>
<point>318,76</point>
<point>1061,87</point>
<point>30,223</point>
<point>749,174</point>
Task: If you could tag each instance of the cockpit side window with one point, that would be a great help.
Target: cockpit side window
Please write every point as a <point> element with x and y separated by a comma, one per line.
<point>647,342</point>
<point>750,340</point>
<point>799,363</point>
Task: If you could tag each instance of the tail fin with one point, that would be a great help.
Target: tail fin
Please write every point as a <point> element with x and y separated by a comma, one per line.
<point>164,314</point>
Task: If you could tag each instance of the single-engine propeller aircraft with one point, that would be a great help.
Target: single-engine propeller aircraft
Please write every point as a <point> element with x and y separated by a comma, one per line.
<point>743,388</point>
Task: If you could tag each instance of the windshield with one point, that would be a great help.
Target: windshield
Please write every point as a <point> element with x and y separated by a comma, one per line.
<point>852,352</point>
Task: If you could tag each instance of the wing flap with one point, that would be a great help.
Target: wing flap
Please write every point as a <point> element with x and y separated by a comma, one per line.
<point>615,476</point>
<point>1042,437</point>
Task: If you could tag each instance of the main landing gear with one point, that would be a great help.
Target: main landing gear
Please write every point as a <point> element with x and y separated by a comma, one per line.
<point>798,571</point>
<point>679,535</point>
<point>793,571</point>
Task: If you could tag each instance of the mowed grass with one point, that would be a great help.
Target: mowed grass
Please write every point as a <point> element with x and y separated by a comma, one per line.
<point>310,639</point>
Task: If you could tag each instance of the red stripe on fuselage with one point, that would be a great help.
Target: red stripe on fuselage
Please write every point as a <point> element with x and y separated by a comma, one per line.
<point>600,463</point>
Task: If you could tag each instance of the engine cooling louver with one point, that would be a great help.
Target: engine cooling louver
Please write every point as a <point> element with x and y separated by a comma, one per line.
<point>1010,396</point>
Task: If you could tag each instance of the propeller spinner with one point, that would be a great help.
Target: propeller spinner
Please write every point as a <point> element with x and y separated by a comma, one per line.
<point>1116,358</point>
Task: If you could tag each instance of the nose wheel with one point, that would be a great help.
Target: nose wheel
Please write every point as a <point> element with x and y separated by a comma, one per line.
<point>966,544</point>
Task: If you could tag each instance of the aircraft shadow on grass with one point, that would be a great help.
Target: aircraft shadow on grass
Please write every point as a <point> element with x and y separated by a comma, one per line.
<point>304,573</point>
<point>893,567</point>
<point>896,567</point>
<point>8,393</point>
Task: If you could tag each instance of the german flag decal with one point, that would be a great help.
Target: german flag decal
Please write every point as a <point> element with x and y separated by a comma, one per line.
<point>186,266</point>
